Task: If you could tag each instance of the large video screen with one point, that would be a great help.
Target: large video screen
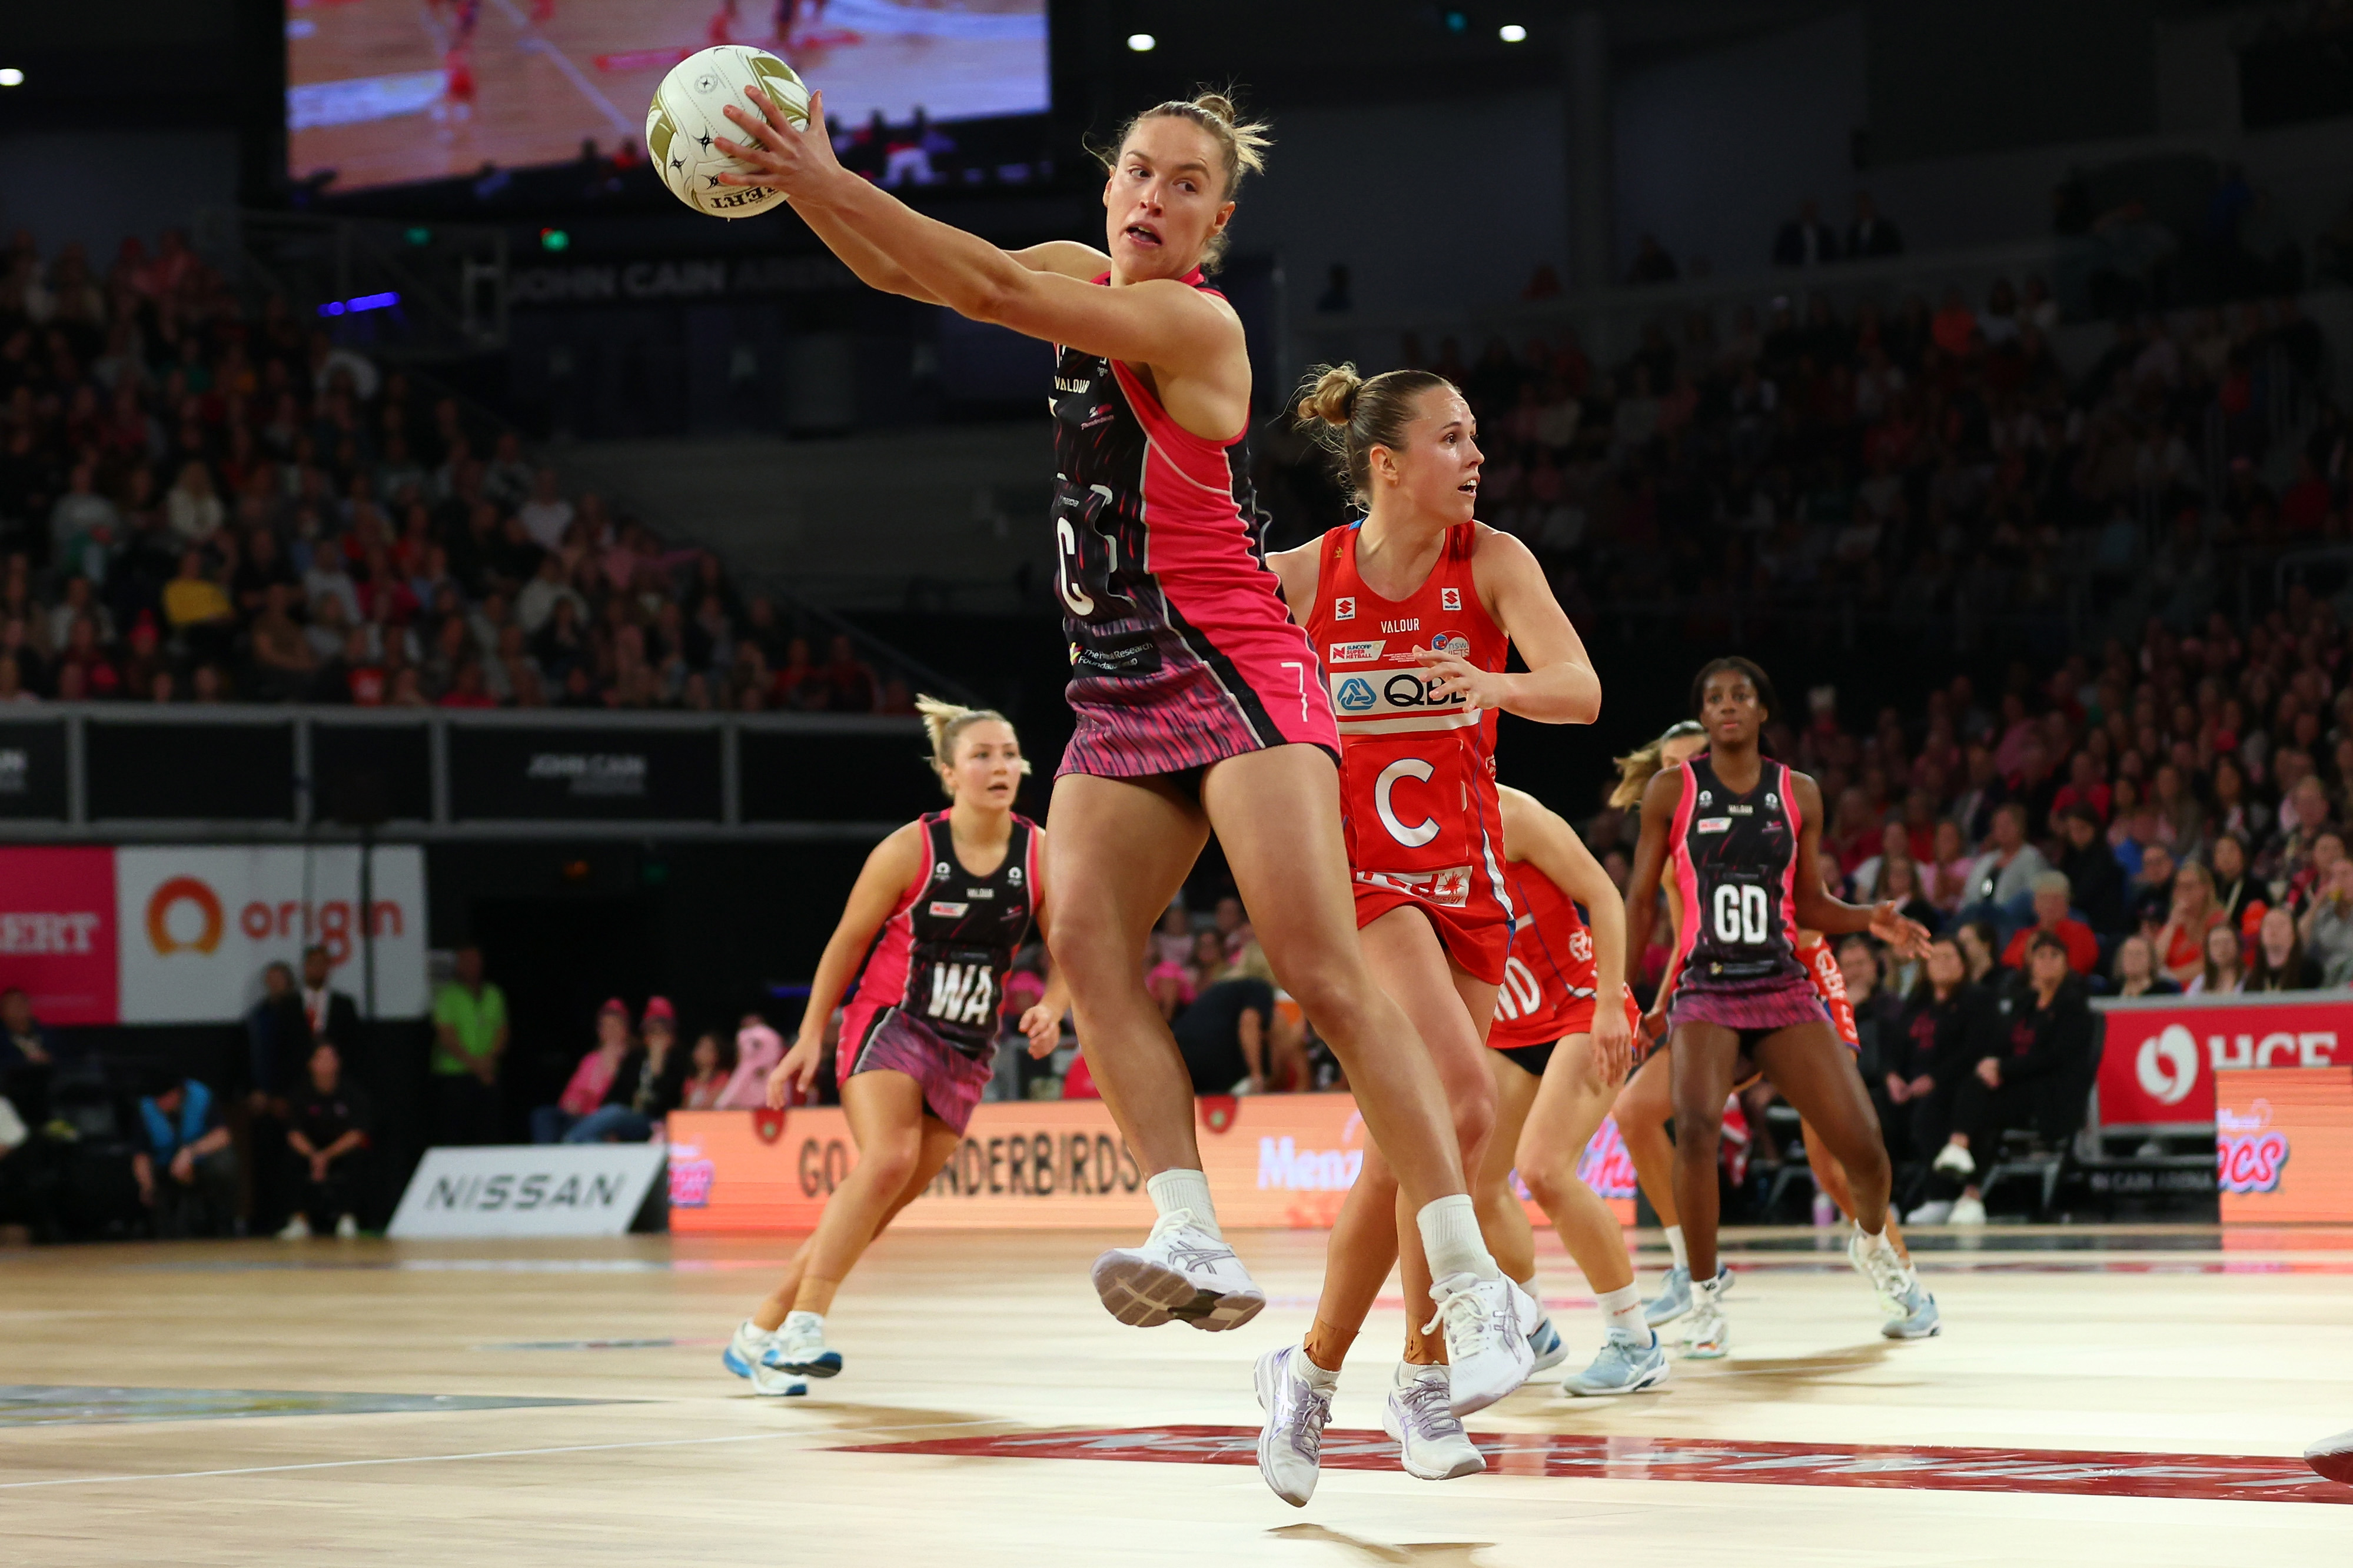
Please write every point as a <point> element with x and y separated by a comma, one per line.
<point>383,92</point>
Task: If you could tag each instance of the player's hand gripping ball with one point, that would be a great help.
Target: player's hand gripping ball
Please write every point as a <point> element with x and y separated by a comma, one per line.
<point>687,118</point>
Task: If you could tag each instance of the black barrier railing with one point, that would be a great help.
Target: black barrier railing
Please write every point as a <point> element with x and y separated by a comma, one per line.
<point>98,771</point>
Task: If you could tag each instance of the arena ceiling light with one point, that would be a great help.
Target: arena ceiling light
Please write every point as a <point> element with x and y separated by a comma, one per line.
<point>1143,43</point>
<point>1512,33</point>
<point>11,76</point>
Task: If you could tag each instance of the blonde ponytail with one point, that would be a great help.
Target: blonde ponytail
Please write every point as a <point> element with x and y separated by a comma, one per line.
<point>1639,766</point>
<point>945,722</point>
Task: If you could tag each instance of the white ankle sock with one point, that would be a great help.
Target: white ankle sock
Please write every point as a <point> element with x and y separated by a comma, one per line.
<point>1529,1285</point>
<point>1450,1239</point>
<point>1623,1308</point>
<point>1675,1245</point>
<point>1322,1380</point>
<point>1181,1189</point>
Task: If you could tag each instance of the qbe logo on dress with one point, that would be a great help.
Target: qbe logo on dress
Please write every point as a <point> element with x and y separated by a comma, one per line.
<point>1356,694</point>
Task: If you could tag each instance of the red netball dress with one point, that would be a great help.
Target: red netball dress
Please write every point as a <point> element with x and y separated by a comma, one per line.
<point>1416,770</point>
<point>1549,983</point>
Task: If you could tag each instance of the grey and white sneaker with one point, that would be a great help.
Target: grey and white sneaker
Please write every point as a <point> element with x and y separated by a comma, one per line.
<point>1181,1272</point>
<point>1954,1161</point>
<point>1916,1317</point>
<point>1487,1322</point>
<point>1290,1444</point>
<point>1674,1296</point>
<point>1431,1443</point>
<point>1625,1366</point>
<point>1549,1348</point>
<point>1875,1258</point>
<point>1672,1300</point>
<point>1935,1211</point>
<point>1707,1335</point>
<point>800,1347</point>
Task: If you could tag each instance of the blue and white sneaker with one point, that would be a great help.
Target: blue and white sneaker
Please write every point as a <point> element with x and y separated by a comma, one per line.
<point>1674,1296</point>
<point>1624,1366</point>
<point>1546,1340</point>
<point>1672,1300</point>
<point>743,1357</point>
<point>799,1348</point>
<point>1916,1316</point>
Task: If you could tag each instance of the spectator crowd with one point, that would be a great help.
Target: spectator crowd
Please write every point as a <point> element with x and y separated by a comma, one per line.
<point>1931,471</point>
<point>204,502</point>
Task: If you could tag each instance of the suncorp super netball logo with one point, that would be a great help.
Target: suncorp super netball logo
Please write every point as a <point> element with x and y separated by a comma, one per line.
<point>183,913</point>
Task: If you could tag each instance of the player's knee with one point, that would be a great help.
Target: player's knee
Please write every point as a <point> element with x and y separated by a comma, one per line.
<point>893,1161</point>
<point>1544,1172</point>
<point>1697,1118</point>
<point>1475,1113</point>
<point>1330,988</point>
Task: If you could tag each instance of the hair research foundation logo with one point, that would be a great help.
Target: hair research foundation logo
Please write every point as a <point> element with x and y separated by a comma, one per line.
<point>2168,1064</point>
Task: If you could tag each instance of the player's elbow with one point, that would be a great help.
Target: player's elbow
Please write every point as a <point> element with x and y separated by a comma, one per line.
<point>995,298</point>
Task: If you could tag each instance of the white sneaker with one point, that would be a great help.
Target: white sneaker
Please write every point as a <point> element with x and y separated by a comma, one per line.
<point>1875,1258</point>
<point>1707,1335</point>
<point>1954,1161</point>
<point>1935,1211</point>
<point>772,1382</point>
<point>799,1348</point>
<point>744,1356</point>
<point>296,1229</point>
<point>1487,1323</point>
<point>1181,1272</point>
<point>1969,1211</point>
<point>347,1229</point>
<point>1430,1440</point>
<point>1290,1444</point>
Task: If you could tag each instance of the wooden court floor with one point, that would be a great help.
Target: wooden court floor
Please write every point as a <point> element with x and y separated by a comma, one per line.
<point>2127,1396</point>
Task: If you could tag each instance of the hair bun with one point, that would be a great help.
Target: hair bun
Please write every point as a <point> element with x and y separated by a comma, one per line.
<point>1333,399</point>
<point>1217,105</point>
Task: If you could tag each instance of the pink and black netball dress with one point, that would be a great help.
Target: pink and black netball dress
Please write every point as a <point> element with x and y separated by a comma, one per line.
<point>928,997</point>
<point>1182,652</point>
<point>1735,865</point>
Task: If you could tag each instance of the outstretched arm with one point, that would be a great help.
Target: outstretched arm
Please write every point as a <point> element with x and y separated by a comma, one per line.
<point>1816,911</point>
<point>1160,323</point>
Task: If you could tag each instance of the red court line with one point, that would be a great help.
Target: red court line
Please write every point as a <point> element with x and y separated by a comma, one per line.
<point>2224,1477</point>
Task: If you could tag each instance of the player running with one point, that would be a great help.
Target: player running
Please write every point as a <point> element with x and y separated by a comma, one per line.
<point>1558,1051</point>
<point>931,928</point>
<point>1742,831</point>
<point>1197,701</point>
<point>1415,612</point>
